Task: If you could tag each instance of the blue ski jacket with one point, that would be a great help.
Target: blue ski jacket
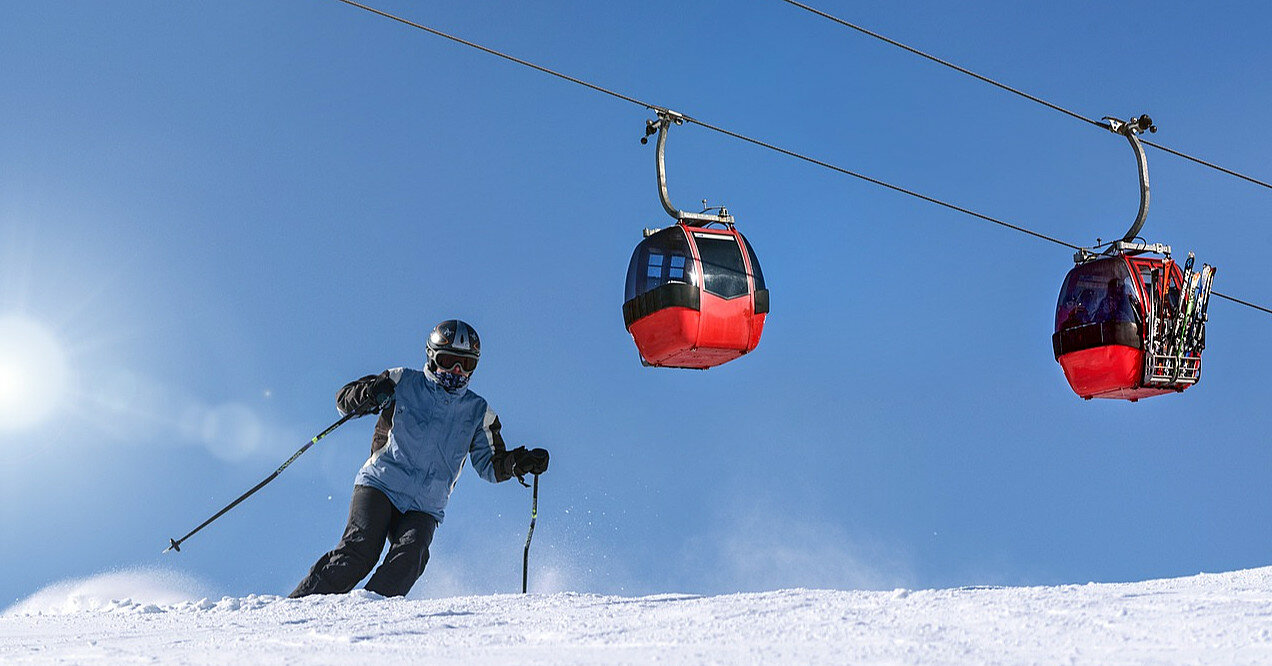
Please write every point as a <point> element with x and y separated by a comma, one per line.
<point>422,439</point>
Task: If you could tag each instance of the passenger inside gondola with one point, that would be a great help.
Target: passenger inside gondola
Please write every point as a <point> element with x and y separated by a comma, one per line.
<point>1116,305</point>
<point>1078,310</point>
<point>1098,293</point>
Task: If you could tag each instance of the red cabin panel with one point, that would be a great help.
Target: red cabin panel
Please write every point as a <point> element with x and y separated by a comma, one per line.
<point>725,324</point>
<point>684,338</point>
<point>666,334</point>
<point>1094,372</point>
<point>757,328</point>
<point>1111,371</point>
<point>702,358</point>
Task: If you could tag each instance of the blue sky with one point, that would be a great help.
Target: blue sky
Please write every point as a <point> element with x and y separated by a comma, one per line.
<point>223,212</point>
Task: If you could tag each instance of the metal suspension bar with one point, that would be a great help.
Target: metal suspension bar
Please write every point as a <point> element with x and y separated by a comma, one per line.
<point>664,125</point>
<point>1131,129</point>
<point>666,118</point>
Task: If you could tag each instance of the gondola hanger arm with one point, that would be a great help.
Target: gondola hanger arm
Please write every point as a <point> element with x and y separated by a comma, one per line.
<point>666,118</point>
<point>1131,129</point>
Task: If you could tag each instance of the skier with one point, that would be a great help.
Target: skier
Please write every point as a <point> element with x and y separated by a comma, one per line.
<point>429,421</point>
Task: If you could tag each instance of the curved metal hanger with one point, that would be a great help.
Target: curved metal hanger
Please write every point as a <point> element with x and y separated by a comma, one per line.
<point>666,118</point>
<point>1130,129</point>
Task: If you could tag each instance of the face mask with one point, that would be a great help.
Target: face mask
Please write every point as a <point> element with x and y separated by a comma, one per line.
<point>451,381</point>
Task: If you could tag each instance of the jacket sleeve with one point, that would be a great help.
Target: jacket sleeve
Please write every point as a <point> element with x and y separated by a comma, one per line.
<point>488,453</point>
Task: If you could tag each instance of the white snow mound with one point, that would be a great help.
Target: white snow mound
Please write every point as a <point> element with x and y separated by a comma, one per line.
<point>126,589</point>
<point>1209,618</point>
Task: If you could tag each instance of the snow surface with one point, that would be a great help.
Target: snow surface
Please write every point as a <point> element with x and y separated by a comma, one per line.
<point>1209,618</point>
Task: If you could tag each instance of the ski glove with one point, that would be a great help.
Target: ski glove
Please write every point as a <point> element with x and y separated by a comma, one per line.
<point>376,394</point>
<point>534,461</point>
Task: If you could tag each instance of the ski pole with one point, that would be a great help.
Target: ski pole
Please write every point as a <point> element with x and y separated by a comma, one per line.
<point>175,544</point>
<point>525,555</point>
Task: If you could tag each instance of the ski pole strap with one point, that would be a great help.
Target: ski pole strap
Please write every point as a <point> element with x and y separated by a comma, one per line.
<point>534,514</point>
<point>175,544</point>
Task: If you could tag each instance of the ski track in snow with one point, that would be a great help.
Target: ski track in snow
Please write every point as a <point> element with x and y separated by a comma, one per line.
<point>1209,618</point>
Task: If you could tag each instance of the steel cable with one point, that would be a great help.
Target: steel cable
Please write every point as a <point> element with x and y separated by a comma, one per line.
<point>1016,91</point>
<point>757,142</point>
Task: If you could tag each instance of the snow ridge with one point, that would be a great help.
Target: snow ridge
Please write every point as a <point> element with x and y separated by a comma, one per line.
<point>1212,618</point>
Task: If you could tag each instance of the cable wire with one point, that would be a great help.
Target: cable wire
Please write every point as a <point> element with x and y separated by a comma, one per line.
<point>1248,304</point>
<point>500,54</point>
<point>880,183</point>
<point>743,137</point>
<point>946,63</point>
<point>1016,91</point>
<point>1202,162</point>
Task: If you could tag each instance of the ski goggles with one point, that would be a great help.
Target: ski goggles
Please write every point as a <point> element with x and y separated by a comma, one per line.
<point>447,360</point>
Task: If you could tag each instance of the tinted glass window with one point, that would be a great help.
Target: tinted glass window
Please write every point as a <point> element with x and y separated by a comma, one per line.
<point>723,272</point>
<point>1097,291</point>
<point>659,259</point>
<point>755,264</point>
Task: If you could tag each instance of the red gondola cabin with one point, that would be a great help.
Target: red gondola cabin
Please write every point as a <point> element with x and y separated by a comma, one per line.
<point>1124,329</point>
<point>695,297</point>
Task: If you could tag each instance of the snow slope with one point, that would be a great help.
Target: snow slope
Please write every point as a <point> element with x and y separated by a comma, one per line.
<point>1211,618</point>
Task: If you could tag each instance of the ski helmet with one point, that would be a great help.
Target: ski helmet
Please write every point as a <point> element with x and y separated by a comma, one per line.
<point>453,343</point>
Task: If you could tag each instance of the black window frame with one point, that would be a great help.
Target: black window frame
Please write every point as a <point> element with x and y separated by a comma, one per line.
<point>724,271</point>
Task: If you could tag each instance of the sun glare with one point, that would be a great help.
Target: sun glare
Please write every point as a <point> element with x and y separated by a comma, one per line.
<point>33,372</point>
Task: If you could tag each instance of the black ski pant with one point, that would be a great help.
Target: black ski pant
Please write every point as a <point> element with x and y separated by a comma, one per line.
<point>372,519</point>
